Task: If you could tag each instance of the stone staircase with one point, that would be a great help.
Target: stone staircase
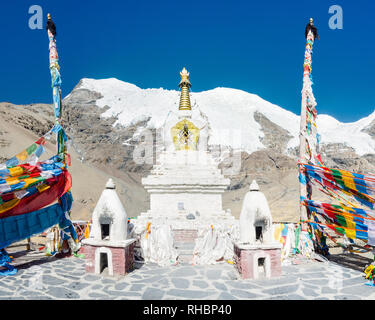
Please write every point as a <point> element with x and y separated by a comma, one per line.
<point>184,243</point>
<point>185,251</point>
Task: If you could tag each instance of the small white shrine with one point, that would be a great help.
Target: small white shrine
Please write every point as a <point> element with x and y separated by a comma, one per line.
<point>108,245</point>
<point>255,218</point>
<point>257,254</point>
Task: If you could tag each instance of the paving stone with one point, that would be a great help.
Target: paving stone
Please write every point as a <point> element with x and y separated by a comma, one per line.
<point>328,290</point>
<point>226,296</point>
<point>183,272</point>
<point>107,287</point>
<point>5,293</point>
<point>135,276</point>
<point>52,281</point>
<point>355,273</point>
<point>190,294</point>
<point>121,286</point>
<point>314,275</point>
<point>67,279</point>
<point>36,298</point>
<point>314,267</point>
<point>97,287</point>
<point>241,284</point>
<point>213,274</point>
<point>287,297</point>
<point>151,265</point>
<point>360,290</point>
<point>157,271</point>
<point>91,277</point>
<point>47,271</point>
<point>275,281</point>
<point>97,295</point>
<point>281,290</point>
<point>123,294</point>
<point>65,276</point>
<point>200,284</point>
<point>317,282</point>
<point>137,287</point>
<point>65,270</point>
<point>311,286</point>
<point>78,261</point>
<point>148,279</point>
<point>353,281</point>
<point>164,282</point>
<point>180,283</point>
<point>310,293</point>
<point>294,297</point>
<point>347,297</point>
<point>220,286</point>
<point>6,286</point>
<point>62,293</point>
<point>232,275</point>
<point>289,269</point>
<point>153,294</point>
<point>242,294</point>
<point>108,281</point>
<point>77,286</point>
<point>29,293</point>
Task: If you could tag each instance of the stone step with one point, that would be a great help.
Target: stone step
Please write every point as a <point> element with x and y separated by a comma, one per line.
<point>185,258</point>
<point>184,245</point>
<point>185,251</point>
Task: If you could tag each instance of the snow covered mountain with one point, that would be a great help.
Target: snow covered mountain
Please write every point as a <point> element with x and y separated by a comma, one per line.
<point>103,119</point>
<point>227,111</point>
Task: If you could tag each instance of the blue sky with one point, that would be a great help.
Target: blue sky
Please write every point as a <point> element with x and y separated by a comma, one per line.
<point>256,46</point>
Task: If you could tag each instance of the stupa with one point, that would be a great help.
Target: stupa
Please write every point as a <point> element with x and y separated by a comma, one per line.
<point>108,245</point>
<point>185,184</point>
<point>257,254</point>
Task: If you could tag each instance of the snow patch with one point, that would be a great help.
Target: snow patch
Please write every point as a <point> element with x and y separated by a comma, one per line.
<point>230,113</point>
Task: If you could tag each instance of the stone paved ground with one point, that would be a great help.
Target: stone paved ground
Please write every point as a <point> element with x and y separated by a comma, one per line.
<point>50,278</point>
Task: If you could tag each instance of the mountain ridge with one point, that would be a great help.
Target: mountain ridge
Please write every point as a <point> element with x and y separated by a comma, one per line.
<point>104,120</point>
<point>121,97</point>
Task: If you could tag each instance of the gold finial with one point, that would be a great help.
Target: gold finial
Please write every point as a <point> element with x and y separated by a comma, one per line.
<point>184,85</point>
<point>184,78</point>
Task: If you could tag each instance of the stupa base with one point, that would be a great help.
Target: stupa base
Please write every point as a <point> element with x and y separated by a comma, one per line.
<point>258,261</point>
<point>117,258</point>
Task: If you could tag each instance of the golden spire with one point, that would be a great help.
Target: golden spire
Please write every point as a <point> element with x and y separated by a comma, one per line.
<point>184,85</point>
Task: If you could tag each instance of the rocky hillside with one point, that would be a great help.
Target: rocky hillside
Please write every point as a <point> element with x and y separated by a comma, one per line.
<point>104,120</point>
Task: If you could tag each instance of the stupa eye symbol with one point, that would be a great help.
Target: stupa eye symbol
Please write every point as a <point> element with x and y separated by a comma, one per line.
<point>185,134</point>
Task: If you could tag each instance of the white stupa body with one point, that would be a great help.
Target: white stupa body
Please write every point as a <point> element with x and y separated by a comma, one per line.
<point>185,182</point>
<point>188,181</point>
<point>107,247</point>
<point>255,214</point>
<point>109,219</point>
<point>185,188</point>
